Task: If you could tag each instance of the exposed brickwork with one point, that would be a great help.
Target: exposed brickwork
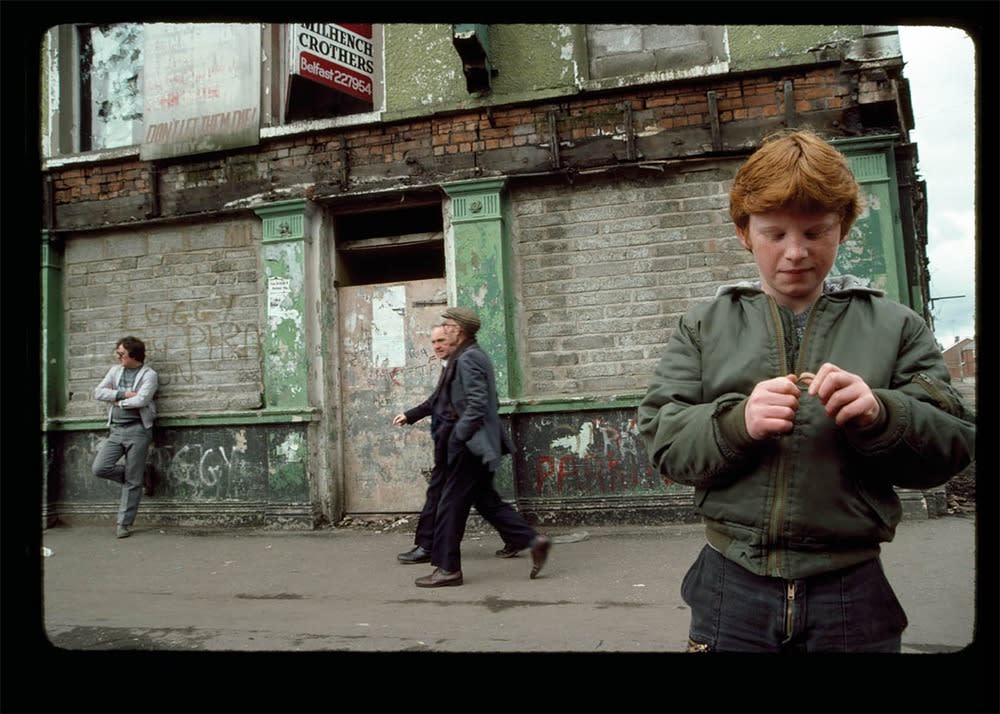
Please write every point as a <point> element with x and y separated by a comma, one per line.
<point>606,269</point>
<point>416,149</point>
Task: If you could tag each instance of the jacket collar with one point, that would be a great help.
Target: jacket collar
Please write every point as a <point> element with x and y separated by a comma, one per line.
<point>835,285</point>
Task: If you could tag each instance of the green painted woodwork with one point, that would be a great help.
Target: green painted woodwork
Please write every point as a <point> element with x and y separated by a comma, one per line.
<point>250,418</point>
<point>285,357</point>
<point>287,480</point>
<point>53,347</point>
<point>874,247</point>
<point>482,277</point>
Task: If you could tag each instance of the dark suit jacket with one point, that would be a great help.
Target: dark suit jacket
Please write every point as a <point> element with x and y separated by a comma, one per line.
<point>473,393</point>
<point>436,407</point>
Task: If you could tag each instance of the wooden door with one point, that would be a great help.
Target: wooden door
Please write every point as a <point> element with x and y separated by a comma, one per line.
<point>387,367</point>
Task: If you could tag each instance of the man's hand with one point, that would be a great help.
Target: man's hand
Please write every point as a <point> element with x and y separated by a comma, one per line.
<point>770,410</point>
<point>399,419</point>
<point>846,396</point>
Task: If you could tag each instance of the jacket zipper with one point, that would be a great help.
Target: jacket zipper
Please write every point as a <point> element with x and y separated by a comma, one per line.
<point>781,483</point>
<point>944,400</point>
<point>778,505</point>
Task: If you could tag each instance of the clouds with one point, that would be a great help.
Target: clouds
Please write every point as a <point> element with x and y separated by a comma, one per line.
<point>940,67</point>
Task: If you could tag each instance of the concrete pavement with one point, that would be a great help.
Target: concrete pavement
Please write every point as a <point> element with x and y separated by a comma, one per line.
<point>276,621</point>
<point>608,589</point>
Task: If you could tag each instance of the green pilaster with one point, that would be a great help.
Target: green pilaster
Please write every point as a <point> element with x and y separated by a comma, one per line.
<point>874,249</point>
<point>285,357</point>
<point>482,255</point>
<point>53,347</point>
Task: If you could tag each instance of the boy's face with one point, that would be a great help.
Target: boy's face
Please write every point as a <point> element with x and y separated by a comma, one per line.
<point>794,252</point>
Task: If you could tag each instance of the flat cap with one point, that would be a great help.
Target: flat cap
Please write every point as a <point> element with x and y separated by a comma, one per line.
<point>466,318</point>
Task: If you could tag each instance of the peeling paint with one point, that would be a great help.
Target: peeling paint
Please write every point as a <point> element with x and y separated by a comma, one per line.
<point>388,338</point>
<point>579,444</point>
<point>291,447</point>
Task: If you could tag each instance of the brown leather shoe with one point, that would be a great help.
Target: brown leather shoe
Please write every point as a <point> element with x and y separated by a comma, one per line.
<point>439,579</point>
<point>540,547</point>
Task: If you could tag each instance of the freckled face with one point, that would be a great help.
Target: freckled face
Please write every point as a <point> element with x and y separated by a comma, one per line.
<point>794,253</point>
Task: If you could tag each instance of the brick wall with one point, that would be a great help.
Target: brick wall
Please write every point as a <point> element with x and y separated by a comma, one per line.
<point>606,268</point>
<point>669,122</point>
<point>191,293</point>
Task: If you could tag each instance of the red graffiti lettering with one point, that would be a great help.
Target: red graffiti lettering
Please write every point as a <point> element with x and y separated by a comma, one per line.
<point>567,468</point>
<point>544,468</point>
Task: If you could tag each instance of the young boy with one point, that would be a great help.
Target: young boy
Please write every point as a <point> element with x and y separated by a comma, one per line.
<point>793,405</point>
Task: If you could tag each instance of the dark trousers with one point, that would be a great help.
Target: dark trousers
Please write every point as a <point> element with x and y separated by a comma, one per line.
<point>468,482</point>
<point>734,610</point>
<point>425,522</point>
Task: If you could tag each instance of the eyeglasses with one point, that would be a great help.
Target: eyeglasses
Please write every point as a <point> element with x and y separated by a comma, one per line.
<point>120,353</point>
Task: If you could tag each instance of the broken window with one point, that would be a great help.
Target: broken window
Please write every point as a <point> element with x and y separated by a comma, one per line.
<point>111,85</point>
<point>93,77</point>
<point>390,246</point>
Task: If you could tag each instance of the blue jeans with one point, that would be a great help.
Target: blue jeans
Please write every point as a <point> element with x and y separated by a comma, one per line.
<point>131,441</point>
<point>734,610</point>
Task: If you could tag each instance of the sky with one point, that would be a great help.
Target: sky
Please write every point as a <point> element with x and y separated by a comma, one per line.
<point>939,64</point>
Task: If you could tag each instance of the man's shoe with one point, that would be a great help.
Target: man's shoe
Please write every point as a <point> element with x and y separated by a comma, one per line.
<point>123,532</point>
<point>540,547</point>
<point>417,555</point>
<point>439,579</point>
<point>508,551</point>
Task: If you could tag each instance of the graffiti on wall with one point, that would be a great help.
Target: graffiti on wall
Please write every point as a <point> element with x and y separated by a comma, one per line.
<point>201,331</point>
<point>243,464</point>
<point>583,454</point>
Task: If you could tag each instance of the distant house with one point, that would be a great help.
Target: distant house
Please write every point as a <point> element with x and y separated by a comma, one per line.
<point>961,358</point>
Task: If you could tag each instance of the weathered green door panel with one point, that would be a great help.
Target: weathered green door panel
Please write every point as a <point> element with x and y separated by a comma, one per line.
<point>874,247</point>
<point>387,367</point>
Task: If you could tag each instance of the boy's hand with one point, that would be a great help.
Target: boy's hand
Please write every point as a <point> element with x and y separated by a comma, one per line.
<point>770,409</point>
<point>846,396</point>
<point>399,419</point>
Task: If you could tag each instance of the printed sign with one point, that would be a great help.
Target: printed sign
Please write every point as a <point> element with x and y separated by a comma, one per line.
<point>340,57</point>
<point>201,88</point>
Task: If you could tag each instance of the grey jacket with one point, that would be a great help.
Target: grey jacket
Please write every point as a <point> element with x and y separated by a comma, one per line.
<point>473,393</point>
<point>146,384</point>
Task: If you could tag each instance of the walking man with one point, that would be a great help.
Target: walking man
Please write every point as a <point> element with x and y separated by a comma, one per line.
<point>128,388</point>
<point>442,419</point>
<point>436,406</point>
<point>473,450</point>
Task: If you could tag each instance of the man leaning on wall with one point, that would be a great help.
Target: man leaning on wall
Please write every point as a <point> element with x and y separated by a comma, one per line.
<point>128,388</point>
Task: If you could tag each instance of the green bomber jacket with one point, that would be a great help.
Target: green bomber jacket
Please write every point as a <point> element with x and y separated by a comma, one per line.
<point>820,497</point>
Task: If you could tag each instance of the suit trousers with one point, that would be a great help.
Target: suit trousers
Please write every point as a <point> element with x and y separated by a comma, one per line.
<point>131,441</point>
<point>424,536</point>
<point>467,482</point>
<point>425,522</point>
